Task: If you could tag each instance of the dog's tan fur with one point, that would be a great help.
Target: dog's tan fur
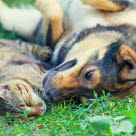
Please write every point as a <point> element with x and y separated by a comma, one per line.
<point>102,4</point>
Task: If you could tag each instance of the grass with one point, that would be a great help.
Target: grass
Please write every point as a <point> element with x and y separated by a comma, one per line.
<point>66,118</point>
<point>18,3</point>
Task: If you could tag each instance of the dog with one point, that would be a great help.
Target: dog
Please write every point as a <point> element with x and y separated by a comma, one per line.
<point>93,43</point>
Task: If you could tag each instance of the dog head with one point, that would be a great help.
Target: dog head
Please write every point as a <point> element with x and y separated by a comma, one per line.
<point>100,61</point>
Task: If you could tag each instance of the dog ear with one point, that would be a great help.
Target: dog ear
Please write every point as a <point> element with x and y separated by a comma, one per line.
<point>126,59</point>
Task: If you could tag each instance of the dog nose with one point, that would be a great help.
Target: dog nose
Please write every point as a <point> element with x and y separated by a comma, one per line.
<point>50,94</point>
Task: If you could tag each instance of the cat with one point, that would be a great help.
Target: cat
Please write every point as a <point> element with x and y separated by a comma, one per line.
<point>21,78</point>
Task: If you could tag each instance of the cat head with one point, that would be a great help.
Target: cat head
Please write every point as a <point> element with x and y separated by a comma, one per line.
<point>17,96</point>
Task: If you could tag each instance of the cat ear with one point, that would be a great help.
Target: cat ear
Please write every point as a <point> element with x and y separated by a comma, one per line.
<point>126,59</point>
<point>4,93</point>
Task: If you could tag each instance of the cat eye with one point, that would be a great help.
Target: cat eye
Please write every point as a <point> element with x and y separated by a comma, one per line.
<point>89,74</point>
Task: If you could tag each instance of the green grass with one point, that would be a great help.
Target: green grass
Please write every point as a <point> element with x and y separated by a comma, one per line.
<point>18,3</point>
<point>66,118</point>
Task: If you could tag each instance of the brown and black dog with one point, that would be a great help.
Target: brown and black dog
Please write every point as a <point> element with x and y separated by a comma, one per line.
<point>95,40</point>
<point>99,53</point>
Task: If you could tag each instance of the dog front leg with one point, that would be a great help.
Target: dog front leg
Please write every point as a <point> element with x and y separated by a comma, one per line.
<point>52,17</point>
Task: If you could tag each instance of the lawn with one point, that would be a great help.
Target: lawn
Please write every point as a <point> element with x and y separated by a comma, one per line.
<point>68,119</point>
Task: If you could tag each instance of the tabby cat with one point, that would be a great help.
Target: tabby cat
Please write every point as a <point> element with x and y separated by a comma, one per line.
<point>21,77</point>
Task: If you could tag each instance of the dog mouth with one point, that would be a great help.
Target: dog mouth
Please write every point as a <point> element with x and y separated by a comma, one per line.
<point>51,93</point>
<point>54,95</point>
<point>51,96</point>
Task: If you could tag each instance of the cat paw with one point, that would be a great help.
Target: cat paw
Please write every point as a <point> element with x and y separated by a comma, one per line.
<point>44,53</point>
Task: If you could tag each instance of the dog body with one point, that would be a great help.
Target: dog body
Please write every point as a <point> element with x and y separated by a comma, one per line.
<point>78,17</point>
<point>95,41</point>
<point>99,41</point>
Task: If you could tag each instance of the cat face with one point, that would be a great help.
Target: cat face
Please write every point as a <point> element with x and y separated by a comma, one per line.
<point>16,96</point>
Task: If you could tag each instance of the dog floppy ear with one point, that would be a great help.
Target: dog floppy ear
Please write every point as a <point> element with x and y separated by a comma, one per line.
<point>126,59</point>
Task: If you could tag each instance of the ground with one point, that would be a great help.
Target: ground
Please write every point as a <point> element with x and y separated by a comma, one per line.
<point>66,118</point>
